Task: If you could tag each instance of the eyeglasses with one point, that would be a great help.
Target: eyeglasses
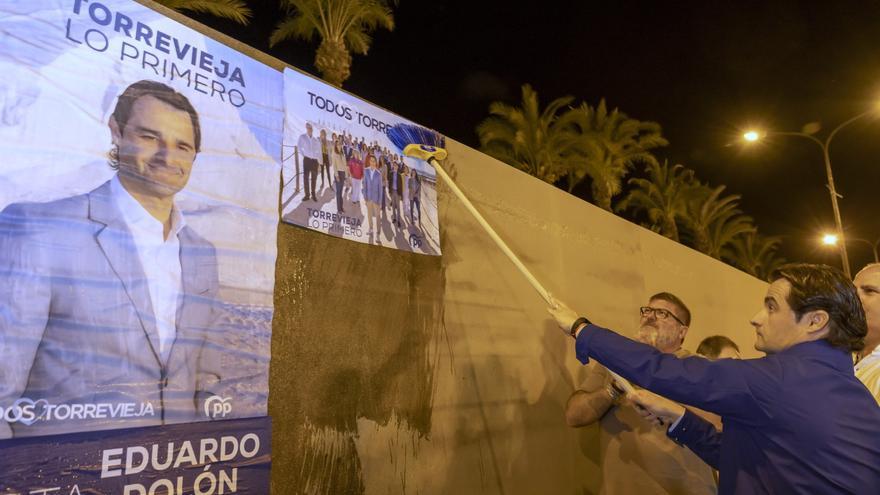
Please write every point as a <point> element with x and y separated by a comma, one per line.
<point>659,313</point>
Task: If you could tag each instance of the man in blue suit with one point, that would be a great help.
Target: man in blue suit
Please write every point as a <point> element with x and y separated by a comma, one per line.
<point>107,300</point>
<point>795,421</point>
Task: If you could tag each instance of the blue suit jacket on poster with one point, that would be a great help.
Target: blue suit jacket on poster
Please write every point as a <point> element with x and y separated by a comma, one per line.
<point>77,324</point>
<point>794,422</point>
<point>373,185</point>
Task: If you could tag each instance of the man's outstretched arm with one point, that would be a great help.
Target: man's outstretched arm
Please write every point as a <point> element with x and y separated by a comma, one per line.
<point>682,425</point>
<point>734,388</point>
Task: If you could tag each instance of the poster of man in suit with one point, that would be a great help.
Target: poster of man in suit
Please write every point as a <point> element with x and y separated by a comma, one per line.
<point>138,214</point>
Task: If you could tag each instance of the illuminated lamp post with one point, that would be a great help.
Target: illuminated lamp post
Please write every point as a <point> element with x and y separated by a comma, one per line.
<point>831,240</point>
<point>753,135</point>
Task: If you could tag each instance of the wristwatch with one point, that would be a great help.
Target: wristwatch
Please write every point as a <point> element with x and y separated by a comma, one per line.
<point>614,392</point>
<point>577,324</point>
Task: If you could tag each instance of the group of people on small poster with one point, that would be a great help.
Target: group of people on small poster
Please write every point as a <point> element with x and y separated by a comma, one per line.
<point>360,172</point>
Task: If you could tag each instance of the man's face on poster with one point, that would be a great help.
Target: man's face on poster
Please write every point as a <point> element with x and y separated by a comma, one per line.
<point>156,148</point>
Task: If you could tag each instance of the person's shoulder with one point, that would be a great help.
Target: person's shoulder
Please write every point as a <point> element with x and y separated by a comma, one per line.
<point>767,369</point>
<point>69,207</point>
<point>32,227</point>
<point>683,353</point>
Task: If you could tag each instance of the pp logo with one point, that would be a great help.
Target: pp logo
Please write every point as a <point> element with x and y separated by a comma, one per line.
<point>218,407</point>
<point>415,240</point>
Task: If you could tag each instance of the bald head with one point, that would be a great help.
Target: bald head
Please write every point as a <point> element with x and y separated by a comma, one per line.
<point>867,283</point>
<point>870,267</point>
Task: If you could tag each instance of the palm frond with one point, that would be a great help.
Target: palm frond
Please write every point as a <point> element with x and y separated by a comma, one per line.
<point>614,143</point>
<point>533,140</point>
<point>235,10</point>
<point>755,254</point>
<point>663,196</point>
<point>295,27</point>
<point>344,27</point>
<point>713,220</point>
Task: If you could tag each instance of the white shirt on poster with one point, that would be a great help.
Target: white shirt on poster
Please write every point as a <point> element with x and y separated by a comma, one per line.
<point>868,371</point>
<point>310,147</point>
<point>160,260</point>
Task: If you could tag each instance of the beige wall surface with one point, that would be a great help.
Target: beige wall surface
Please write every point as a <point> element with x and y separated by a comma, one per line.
<point>396,373</point>
<point>400,373</point>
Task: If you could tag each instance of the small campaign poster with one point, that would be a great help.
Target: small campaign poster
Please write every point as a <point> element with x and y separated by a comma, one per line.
<point>138,216</point>
<point>342,175</point>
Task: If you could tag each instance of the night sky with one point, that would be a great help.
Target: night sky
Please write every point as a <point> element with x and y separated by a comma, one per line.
<point>704,71</point>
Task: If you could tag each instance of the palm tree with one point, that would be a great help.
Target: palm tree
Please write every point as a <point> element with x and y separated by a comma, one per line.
<point>534,141</point>
<point>611,143</point>
<point>714,221</point>
<point>663,196</point>
<point>755,254</point>
<point>344,27</point>
<point>235,10</point>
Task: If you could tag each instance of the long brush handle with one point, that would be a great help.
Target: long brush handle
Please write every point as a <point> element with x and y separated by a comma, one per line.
<point>489,230</point>
<point>624,383</point>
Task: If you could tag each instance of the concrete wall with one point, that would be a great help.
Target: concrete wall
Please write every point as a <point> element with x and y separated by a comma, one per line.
<point>397,373</point>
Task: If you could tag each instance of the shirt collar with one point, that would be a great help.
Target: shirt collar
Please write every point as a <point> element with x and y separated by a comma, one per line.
<point>873,355</point>
<point>137,218</point>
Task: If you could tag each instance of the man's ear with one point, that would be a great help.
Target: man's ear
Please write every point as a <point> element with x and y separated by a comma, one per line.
<point>684,332</point>
<point>817,322</point>
<point>115,131</point>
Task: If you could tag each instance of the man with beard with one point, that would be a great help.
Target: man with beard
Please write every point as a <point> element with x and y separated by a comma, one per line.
<point>637,458</point>
<point>795,421</point>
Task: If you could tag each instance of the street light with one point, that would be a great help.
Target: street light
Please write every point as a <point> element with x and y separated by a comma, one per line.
<point>753,136</point>
<point>874,246</point>
<point>831,240</point>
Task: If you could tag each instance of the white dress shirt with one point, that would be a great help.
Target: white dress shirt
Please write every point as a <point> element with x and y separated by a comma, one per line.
<point>160,260</point>
<point>868,371</point>
<point>310,147</point>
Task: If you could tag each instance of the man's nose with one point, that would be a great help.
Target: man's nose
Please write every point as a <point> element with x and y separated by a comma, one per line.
<point>754,321</point>
<point>162,152</point>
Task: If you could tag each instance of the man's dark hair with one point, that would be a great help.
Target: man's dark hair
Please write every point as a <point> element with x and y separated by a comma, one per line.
<point>685,315</point>
<point>711,346</point>
<point>821,287</point>
<point>161,92</point>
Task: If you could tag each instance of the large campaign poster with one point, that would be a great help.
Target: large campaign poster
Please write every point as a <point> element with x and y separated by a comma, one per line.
<point>139,198</point>
<point>342,175</point>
